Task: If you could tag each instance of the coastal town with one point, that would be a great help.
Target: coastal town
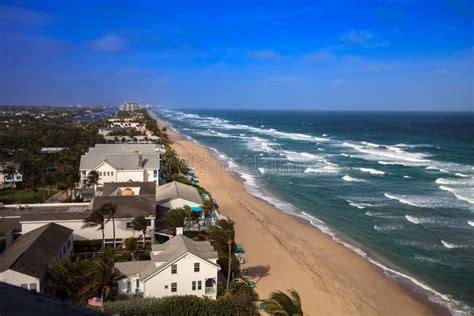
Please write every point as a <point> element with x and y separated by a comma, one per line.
<point>105,214</point>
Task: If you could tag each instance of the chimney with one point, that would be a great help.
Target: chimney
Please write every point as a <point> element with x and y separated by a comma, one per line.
<point>179,231</point>
<point>140,159</point>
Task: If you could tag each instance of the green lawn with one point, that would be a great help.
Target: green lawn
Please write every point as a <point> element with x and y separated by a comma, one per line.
<point>24,196</point>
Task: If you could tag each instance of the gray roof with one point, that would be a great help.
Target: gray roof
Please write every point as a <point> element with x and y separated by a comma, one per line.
<point>58,212</point>
<point>124,148</point>
<point>120,161</point>
<point>128,206</point>
<point>31,253</point>
<point>110,188</point>
<point>9,224</point>
<point>170,251</point>
<point>16,301</point>
<point>174,190</point>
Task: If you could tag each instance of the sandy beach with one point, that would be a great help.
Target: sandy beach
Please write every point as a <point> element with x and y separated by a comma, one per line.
<point>282,252</point>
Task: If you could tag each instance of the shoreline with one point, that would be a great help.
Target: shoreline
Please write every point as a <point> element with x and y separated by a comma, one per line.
<point>340,281</point>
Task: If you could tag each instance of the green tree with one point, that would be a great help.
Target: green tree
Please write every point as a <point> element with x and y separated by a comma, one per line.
<point>92,178</point>
<point>10,172</point>
<point>131,245</point>
<point>282,304</point>
<point>223,236</point>
<point>109,210</point>
<point>68,278</point>
<point>96,219</point>
<point>177,217</point>
<point>139,223</point>
<point>101,275</point>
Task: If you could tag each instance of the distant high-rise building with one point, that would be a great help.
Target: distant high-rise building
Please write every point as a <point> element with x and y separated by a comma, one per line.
<point>130,106</point>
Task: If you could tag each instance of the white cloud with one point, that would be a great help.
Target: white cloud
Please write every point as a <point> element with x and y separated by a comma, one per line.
<point>108,44</point>
<point>362,38</point>
<point>321,55</point>
<point>265,54</point>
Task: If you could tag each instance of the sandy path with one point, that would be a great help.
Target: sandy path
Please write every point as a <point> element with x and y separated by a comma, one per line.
<point>284,253</point>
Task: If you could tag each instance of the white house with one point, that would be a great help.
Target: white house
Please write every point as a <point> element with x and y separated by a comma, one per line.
<point>176,194</point>
<point>122,163</point>
<point>25,263</point>
<point>180,266</point>
<point>6,180</point>
<point>131,199</point>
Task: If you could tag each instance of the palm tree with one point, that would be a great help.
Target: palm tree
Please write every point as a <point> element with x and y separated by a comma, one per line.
<point>10,172</point>
<point>101,274</point>
<point>92,178</point>
<point>177,216</point>
<point>282,304</point>
<point>68,278</point>
<point>109,210</point>
<point>132,246</point>
<point>139,224</point>
<point>96,219</point>
<point>223,235</point>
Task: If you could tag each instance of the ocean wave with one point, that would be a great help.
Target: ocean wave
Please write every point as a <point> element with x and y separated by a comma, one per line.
<point>325,169</point>
<point>372,171</point>
<point>402,199</point>
<point>387,227</point>
<point>407,177</point>
<point>262,170</point>
<point>458,193</point>
<point>348,178</point>
<point>393,154</point>
<point>381,162</point>
<point>418,220</point>
<point>471,223</point>
<point>450,245</point>
<point>301,156</point>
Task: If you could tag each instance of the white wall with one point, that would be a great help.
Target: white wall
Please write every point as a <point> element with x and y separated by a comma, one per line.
<point>121,230</point>
<point>133,175</point>
<point>179,202</point>
<point>17,278</point>
<point>155,286</point>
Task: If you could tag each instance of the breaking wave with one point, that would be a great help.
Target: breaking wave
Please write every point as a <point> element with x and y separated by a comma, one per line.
<point>401,199</point>
<point>372,171</point>
<point>348,178</point>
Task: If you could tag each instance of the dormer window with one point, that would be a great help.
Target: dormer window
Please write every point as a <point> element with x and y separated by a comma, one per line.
<point>196,267</point>
<point>174,269</point>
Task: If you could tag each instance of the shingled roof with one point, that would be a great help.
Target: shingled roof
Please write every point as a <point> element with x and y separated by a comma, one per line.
<point>174,190</point>
<point>168,252</point>
<point>32,252</point>
<point>128,206</point>
<point>110,188</point>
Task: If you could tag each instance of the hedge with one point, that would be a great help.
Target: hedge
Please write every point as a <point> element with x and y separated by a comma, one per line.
<point>181,305</point>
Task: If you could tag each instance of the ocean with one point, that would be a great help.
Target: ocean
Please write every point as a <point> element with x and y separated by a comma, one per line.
<point>397,188</point>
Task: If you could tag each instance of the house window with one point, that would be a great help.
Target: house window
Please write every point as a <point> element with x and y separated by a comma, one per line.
<point>148,222</point>
<point>174,268</point>
<point>25,286</point>
<point>33,287</point>
<point>155,173</point>
<point>196,267</point>
<point>112,173</point>
<point>174,287</point>
<point>129,286</point>
<point>194,286</point>
<point>199,285</point>
<point>138,283</point>
<point>129,225</point>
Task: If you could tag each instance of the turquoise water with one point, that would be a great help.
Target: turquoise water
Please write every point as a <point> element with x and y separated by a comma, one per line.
<point>397,188</point>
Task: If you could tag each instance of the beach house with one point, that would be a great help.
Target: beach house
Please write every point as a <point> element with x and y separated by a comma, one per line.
<point>176,194</point>
<point>131,199</point>
<point>122,163</point>
<point>25,263</point>
<point>180,266</point>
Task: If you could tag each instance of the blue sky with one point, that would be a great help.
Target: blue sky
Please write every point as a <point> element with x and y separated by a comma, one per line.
<point>321,55</point>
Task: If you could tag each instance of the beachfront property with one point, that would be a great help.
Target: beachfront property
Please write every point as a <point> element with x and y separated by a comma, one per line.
<point>130,106</point>
<point>8,180</point>
<point>25,263</point>
<point>132,140</point>
<point>131,199</point>
<point>122,163</point>
<point>176,194</point>
<point>180,266</point>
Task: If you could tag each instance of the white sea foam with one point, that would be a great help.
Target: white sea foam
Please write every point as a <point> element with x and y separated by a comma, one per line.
<point>471,223</point>
<point>420,220</point>
<point>348,178</point>
<point>372,171</point>
<point>325,169</point>
<point>450,245</point>
<point>387,227</point>
<point>407,177</point>
<point>402,199</point>
<point>412,219</point>
<point>262,170</point>
<point>458,194</point>
<point>300,156</point>
<point>461,175</point>
<point>390,153</point>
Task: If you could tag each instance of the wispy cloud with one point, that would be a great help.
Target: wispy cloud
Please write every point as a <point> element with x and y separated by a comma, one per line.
<point>283,78</point>
<point>108,44</point>
<point>321,55</point>
<point>265,54</point>
<point>382,67</point>
<point>19,15</point>
<point>362,38</point>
